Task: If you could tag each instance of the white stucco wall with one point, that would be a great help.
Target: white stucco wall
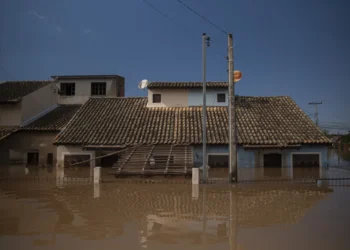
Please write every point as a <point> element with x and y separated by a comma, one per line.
<point>195,97</point>
<point>10,114</point>
<point>38,102</point>
<point>169,98</point>
<point>83,90</point>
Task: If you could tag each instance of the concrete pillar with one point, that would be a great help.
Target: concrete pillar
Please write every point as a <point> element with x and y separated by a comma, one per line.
<point>59,176</point>
<point>97,175</point>
<point>60,172</point>
<point>195,191</point>
<point>97,190</point>
<point>195,176</point>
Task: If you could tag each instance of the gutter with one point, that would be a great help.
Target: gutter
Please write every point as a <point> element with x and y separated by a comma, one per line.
<point>271,146</point>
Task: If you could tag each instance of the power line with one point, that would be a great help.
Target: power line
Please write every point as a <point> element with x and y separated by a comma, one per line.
<point>203,17</point>
<point>176,23</point>
<point>160,12</point>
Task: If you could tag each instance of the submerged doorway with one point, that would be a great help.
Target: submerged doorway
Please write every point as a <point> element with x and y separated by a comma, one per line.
<point>306,165</point>
<point>33,158</point>
<point>273,165</point>
<point>218,164</point>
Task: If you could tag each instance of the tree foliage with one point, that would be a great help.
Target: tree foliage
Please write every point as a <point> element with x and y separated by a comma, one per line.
<point>346,138</point>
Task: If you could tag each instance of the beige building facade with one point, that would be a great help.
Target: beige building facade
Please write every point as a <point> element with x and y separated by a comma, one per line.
<point>78,89</point>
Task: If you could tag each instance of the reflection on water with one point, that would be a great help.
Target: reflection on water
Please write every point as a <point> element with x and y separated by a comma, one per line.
<point>37,215</point>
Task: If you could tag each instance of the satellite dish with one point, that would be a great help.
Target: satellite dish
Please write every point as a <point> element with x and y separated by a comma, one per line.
<point>143,84</point>
<point>237,75</point>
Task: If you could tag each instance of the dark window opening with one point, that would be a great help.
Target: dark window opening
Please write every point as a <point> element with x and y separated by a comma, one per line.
<point>98,88</point>
<point>67,89</point>
<point>273,165</point>
<point>32,158</point>
<point>221,97</point>
<point>109,161</point>
<point>306,160</point>
<point>49,158</point>
<point>157,98</point>
<point>218,161</point>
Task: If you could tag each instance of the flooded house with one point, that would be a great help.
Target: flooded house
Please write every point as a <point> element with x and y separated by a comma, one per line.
<point>162,133</point>
<point>33,113</point>
<point>22,102</point>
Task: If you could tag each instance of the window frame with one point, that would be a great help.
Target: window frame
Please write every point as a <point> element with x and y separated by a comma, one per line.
<point>218,99</point>
<point>99,87</point>
<point>156,95</point>
<point>64,89</point>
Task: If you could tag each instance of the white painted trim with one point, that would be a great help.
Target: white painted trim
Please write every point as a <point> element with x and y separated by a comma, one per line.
<point>307,153</point>
<point>75,153</point>
<point>208,154</point>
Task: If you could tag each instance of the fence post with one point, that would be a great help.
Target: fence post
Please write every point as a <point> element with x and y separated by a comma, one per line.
<point>97,175</point>
<point>195,182</point>
<point>195,176</point>
<point>96,190</point>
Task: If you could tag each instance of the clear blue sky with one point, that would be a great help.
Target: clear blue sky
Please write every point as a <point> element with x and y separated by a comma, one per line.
<point>298,48</point>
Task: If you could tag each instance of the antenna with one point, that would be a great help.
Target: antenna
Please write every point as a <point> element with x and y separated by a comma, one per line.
<point>57,85</point>
<point>143,84</point>
<point>316,110</point>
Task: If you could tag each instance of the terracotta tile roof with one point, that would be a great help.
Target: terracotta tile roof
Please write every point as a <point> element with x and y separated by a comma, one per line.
<point>6,131</point>
<point>181,85</point>
<point>54,120</point>
<point>12,92</point>
<point>127,121</point>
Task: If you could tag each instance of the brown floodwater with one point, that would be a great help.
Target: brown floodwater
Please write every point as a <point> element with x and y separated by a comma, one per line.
<point>41,215</point>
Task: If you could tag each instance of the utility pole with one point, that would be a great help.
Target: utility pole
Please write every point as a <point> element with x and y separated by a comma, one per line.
<point>231,114</point>
<point>316,110</point>
<point>205,43</point>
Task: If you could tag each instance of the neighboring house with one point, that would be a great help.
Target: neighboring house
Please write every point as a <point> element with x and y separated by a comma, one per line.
<point>34,112</point>
<point>32,144</point>
<point>271,131</point>
<point>77,89</point>
<point>20,103</point>
<point>185,94</point>
<point>24,101</point>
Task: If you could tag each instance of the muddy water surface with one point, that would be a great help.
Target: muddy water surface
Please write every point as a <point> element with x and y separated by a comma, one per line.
<point>40,215</point>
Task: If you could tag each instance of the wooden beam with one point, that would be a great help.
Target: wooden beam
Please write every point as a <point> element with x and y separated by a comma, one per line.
<point>127,159</point>
<point>186,159</point>
<point>169,157</point>
<point>147,159</point>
